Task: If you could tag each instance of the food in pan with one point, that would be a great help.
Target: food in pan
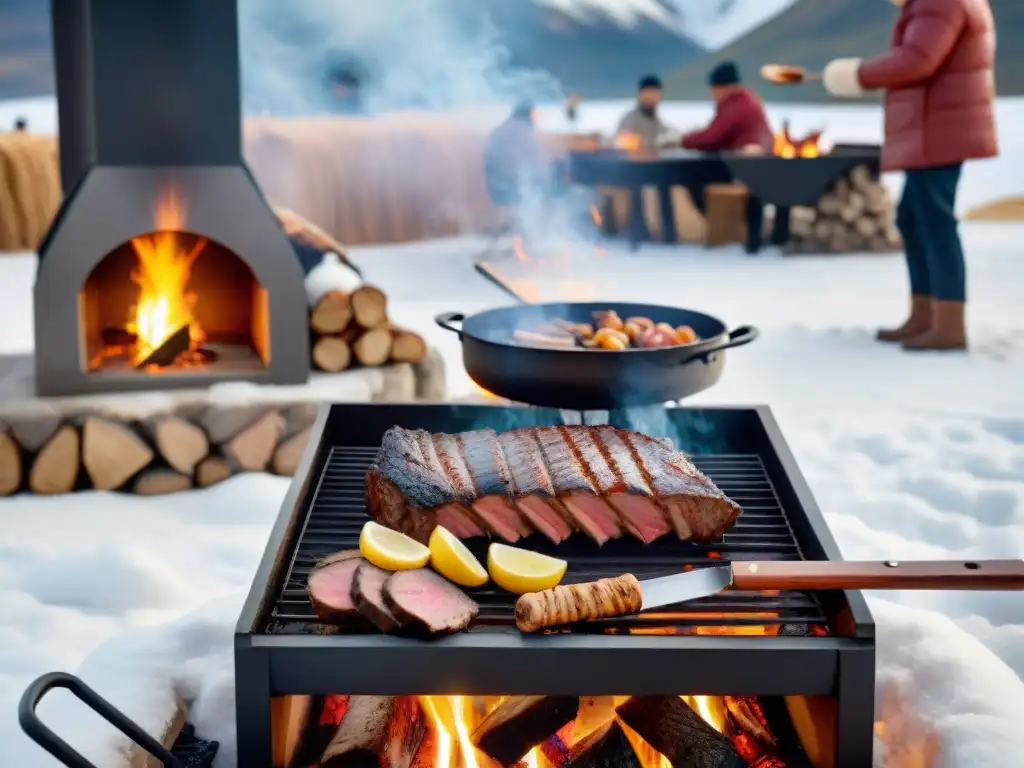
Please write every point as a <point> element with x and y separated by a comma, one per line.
<point>608,331</point>
<point>601,481</point>
<point>520,571</point>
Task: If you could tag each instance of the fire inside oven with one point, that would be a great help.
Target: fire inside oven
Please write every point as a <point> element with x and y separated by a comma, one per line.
<point>534,732</point>
<point>171,300</point>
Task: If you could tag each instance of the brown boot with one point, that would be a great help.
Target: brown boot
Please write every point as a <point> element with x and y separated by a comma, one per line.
<point>919,321</point>
<point>947,331</point>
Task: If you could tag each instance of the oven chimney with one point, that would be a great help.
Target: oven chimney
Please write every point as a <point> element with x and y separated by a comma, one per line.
<point>149,109</point>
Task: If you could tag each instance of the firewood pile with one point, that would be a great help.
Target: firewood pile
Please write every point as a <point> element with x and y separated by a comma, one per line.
<point>856,214</point>
<point>353,329</point>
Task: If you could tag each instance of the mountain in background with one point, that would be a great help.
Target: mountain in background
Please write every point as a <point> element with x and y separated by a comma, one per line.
<point>812,32</point>
<point>598,48</point>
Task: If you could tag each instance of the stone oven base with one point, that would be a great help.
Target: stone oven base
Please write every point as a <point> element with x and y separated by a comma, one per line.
<point>163,442</point>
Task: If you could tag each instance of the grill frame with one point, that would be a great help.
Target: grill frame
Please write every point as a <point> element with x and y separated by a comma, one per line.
<point>840,666</point>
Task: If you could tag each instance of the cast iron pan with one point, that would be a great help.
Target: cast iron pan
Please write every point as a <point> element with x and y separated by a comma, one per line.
<point>585,379</point>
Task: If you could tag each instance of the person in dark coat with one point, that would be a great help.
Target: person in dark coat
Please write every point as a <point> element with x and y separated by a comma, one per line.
<point>939,85</point>
<point>515,162</point>
<point>740,124</point>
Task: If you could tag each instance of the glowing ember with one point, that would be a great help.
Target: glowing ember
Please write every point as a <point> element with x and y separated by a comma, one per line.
<point>628,142</point>
<point>165,304</point>
<point>785,145</point>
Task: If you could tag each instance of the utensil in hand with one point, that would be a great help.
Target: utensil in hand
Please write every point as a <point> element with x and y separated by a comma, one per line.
<point>785,74</point>
<point>625,595</point>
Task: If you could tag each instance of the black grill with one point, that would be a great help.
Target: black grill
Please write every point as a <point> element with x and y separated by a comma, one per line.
<point>762,533</point>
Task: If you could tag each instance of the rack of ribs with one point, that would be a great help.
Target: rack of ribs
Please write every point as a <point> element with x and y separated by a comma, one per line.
<point>599,480</point>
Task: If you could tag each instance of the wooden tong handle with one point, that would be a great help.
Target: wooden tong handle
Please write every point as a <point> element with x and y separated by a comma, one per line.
<point>568,604</point>
<point>890,574</point>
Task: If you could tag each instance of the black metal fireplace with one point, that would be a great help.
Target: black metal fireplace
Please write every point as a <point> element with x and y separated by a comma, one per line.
<point>164,267</point>
<point>803,661</point>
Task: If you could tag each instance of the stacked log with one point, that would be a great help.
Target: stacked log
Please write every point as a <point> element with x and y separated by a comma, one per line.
<point>855,215</point>
<point>353,330</point>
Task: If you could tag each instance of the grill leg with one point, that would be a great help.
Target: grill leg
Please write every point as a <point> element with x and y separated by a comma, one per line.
<point>855,710</point>
<point>252,708</point>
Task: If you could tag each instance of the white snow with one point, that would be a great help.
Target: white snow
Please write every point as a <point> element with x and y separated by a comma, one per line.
<point>910,456</point>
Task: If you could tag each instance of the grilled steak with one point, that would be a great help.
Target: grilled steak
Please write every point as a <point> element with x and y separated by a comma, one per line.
<point>602,481</point>
<point>367,596</point>
<point>330,585</point>
<point>421,596</point>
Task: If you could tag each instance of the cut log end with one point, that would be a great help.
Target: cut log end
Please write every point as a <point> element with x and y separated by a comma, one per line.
<point>252,448</point>
<point>332,313</point>
<point>56,466</point>
<point>331,354</point>
<point>181,444</point>
<point>213,470</point>
<point>158,482</point>
<point>406,346</point>
<point>10,465</point>
<point>112,452</point>
<point>369,307</point>
<point>373,347</point>
<point>289,453</point>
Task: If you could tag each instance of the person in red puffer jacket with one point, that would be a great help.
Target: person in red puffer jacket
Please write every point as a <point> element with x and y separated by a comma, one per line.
<point>740,122</point>
<point>940,94</point>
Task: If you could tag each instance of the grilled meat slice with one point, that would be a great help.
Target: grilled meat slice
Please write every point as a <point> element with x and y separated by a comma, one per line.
<point>423,597</point>
<point>367,596</point>
<point>598,480</point>
<point>330,586</point>
<point>532,490</point>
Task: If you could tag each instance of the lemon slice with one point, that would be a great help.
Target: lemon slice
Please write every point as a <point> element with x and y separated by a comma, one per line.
<point>521,571</point>
<point>391,550</point>
<point>453,560</point>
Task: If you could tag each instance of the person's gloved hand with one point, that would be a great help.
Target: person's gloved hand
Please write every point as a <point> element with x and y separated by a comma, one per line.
<point>841,78</point>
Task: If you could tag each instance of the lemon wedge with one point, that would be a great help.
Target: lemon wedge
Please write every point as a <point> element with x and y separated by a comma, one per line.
<point>391,550</point>
<point>520,571</point>
<point>453,560</point>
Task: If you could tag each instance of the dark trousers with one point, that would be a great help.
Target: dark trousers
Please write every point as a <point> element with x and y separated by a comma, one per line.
<point>926,218</point>
<point>755,224</point>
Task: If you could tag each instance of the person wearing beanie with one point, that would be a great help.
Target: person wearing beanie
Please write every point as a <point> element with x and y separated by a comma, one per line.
<point>740,122</point>
<point>642,124</point>
<point>940,94</point>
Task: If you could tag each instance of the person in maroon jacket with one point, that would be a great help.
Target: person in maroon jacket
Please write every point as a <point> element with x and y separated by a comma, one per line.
<point>740,122</point>
<point>940,93</point>
<point>739,125</point>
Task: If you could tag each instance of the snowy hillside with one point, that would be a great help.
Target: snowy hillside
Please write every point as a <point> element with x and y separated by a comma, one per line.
<point>710,23</point>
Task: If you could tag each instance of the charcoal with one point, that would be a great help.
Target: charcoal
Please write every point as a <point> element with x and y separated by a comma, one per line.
<point>520,723</point>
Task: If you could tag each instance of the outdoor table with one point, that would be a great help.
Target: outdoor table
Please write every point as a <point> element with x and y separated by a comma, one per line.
<point>782,182</point>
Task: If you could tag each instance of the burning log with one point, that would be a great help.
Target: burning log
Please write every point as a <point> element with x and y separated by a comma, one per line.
<point>332,313</point>
<point>10,464</point>
<point>377,731</point>
<point>331,354</point>
<point>181,444</point>
<point>168,350</point>
<point>112,452</point>
<point>607,747</point>
<point>117,337</point>
<point>369,307</point>
<point>252,448</point>
<point>520,723</point>
<point>56,466</point>
<point>669,725</point>
<point>406,346</point>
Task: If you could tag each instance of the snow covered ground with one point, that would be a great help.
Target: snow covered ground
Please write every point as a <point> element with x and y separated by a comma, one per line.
<point>909,456</point>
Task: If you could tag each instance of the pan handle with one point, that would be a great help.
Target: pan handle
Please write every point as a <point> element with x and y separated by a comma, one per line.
<point>445,320</point>
<point>41,734</point>
<point>737,338</point>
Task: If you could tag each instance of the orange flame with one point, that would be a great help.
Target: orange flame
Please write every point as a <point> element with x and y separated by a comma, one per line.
<point>785,145</point>
<point>907,742</point>
<point>165,303</point>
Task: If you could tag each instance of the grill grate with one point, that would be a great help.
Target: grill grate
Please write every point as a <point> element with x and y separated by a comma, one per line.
<point>337,514</point>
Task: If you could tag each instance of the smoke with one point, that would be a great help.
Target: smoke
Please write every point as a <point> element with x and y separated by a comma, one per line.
<point>423,54</point>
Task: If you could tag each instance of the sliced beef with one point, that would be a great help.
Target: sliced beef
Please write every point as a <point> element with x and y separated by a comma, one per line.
<point>367,596</point>
<point>330,586</point>
<point>423,597</point>
<point>601,481</point>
